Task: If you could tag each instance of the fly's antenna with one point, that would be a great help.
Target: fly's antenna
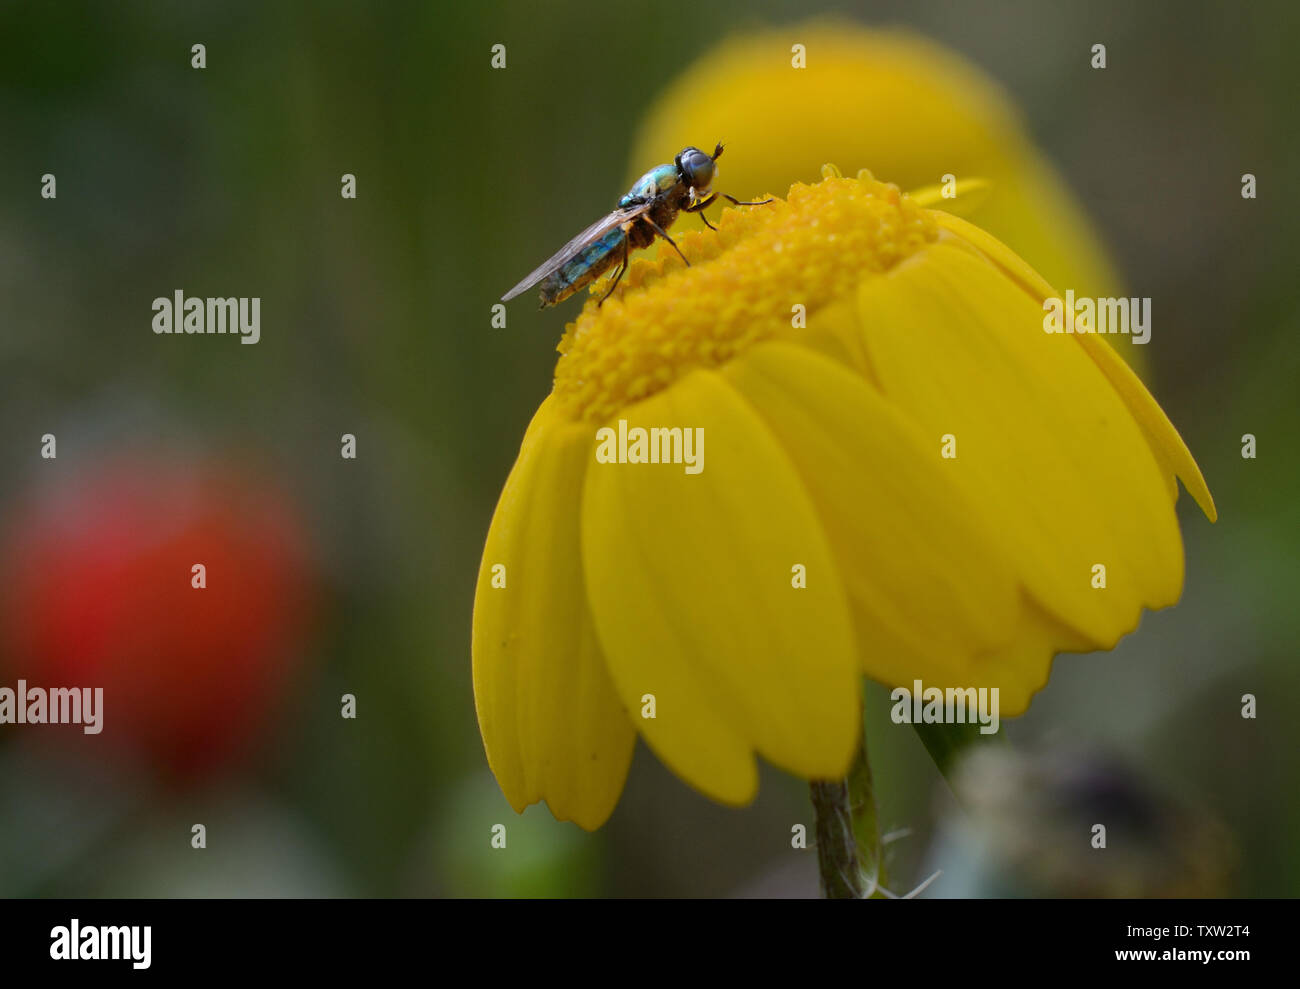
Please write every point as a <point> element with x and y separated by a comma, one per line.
<point>717,152</point>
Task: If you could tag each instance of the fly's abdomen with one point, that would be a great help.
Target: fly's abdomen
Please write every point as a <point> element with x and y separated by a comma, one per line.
<point>584,268</point>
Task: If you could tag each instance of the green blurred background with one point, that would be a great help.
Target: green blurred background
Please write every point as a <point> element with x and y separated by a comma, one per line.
<point>376,321</point>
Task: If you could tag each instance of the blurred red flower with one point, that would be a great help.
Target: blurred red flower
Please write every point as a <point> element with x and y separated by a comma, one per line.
<point>96,590</point>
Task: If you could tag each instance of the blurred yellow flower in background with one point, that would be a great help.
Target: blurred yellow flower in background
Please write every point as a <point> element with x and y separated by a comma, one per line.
<point>826,345</point>
<point>905,107</point>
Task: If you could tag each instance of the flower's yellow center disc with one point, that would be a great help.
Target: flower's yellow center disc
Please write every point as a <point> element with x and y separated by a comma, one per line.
<point>743,286</point>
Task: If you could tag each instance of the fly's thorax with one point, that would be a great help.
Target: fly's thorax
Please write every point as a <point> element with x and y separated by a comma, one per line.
<point>664,212</point>
<point>640,235</point>
<point>653,184</point>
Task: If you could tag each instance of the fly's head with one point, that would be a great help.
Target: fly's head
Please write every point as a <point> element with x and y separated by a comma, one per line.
<point>697,170</point>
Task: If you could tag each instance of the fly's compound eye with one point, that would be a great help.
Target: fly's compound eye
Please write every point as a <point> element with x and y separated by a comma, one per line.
<point>698,170</point>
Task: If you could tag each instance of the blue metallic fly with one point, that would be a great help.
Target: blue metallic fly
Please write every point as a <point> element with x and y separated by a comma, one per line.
<point>646,212</point>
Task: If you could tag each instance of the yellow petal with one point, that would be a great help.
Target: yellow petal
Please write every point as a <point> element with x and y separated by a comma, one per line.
<point>690,583</point>
<point>963,198</point>
<point>551,722</point>
<point>1020,668</point>
<point>1067,476</point>
<point>928,578</point>
<point>1170,450</point>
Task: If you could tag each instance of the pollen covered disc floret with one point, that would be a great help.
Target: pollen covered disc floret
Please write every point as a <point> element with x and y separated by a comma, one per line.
<point>743,282</point>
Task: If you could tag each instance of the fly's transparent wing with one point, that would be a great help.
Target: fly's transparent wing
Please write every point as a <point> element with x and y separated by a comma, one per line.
<point>566,253</point>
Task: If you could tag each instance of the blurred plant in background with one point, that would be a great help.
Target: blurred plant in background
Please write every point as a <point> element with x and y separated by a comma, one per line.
<point>903,106</point>
<point>1024,817</point>
<point>97,590</point>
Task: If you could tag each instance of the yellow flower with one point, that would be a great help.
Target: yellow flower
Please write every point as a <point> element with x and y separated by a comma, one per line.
<point>905,107</point>
<point>612,590</point>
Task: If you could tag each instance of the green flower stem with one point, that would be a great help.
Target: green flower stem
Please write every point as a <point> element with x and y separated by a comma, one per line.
<point>848,837</point>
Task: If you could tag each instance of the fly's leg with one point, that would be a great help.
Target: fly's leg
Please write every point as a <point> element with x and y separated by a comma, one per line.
<point>701,205</point>
<point>618,277</point>
<point>737,202</point>
<point>664,234</point>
